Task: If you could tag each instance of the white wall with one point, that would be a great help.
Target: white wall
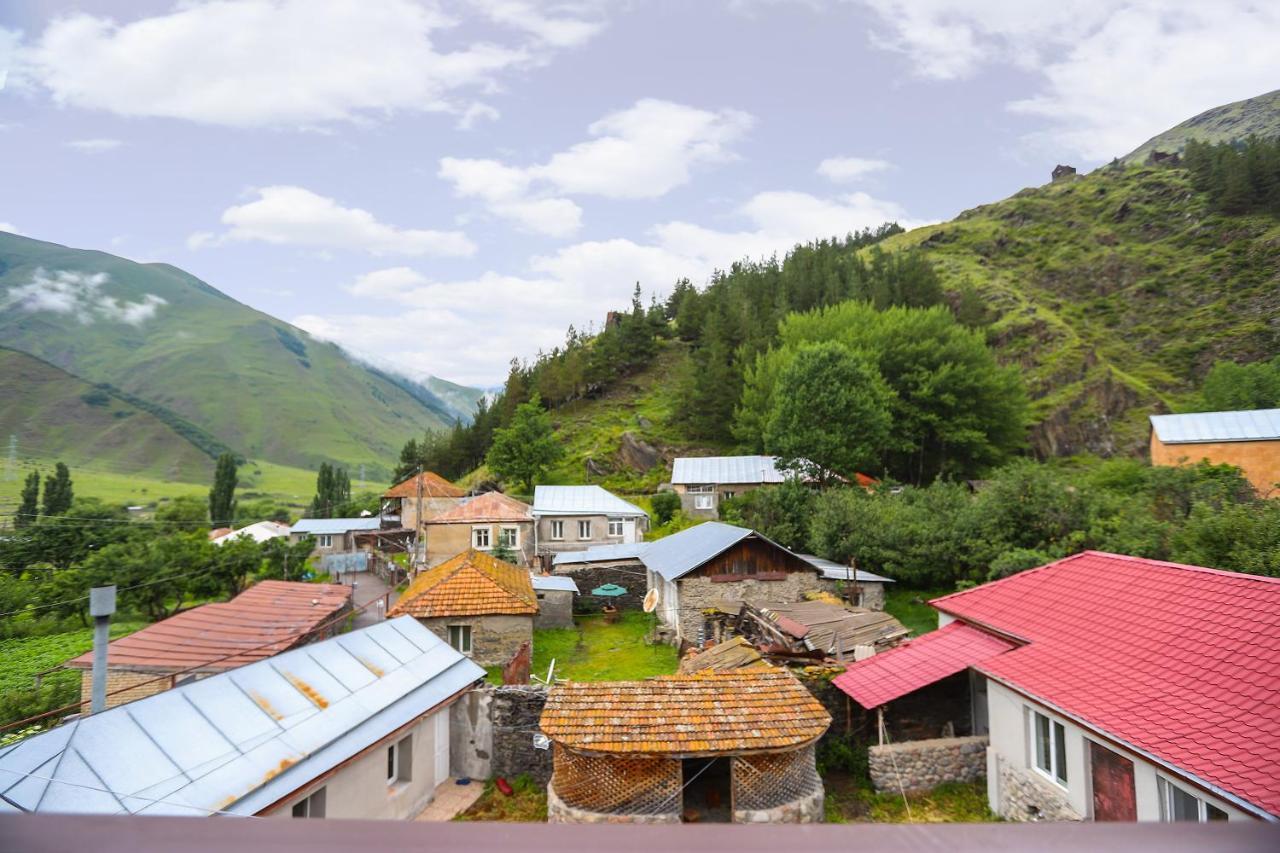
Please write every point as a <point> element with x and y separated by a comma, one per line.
<point>1011,738</point>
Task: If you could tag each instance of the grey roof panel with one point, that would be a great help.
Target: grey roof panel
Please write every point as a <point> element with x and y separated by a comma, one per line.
<point>1256,425</point>
<point>694,470</point>
<point>681,553</point>
<point>554,582</point>
<point>832,570</point>
<point>580,500</point>
<point>335,525</point>
<point>601,554</point>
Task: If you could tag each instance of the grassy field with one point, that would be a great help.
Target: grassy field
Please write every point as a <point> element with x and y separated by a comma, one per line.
<point>850,801</point>
<point>596,651</point>
<point>911,608</point>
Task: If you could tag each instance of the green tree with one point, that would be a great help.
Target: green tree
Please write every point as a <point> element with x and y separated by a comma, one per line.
<point>781,512</point>
<point>58,493</point>
<point>830,414</point>
<point>1232,387</point>
<point>29,503</point>
<point>664,506</point>
<point>333,492</point>
<point>222,502</point>
<point>285,560</point>
<point>185,512</point>
<point>524,450</point>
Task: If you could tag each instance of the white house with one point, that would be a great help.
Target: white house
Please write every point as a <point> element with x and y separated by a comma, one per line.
<point>353,727</point>
<point>571,518</point>
<point>259,531</point>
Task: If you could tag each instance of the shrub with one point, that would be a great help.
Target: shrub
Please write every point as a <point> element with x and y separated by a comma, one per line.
<point>665,505</point>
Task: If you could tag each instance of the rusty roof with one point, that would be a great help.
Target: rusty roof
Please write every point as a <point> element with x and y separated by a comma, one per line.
<point>706,713</point>
<point>736,653</point>
<point>491,506</point>
<point>277,613</point>
<point>433,486</point>
<point>470,584</point>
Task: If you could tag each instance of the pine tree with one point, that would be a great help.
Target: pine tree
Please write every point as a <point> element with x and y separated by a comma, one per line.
<point>222,503</point>
<point>322,504</point>
<point>29,507</point>
<point>57,491</point>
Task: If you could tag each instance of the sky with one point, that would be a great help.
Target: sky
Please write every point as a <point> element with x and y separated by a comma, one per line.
<point>443,186</point>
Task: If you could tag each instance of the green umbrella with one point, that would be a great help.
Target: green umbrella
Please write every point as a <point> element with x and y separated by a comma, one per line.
<point>610,589</point>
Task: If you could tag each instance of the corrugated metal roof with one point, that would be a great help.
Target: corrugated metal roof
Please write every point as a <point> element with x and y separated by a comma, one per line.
<point>832,570</point>
<point>259,531</point>
<point>602,554</point>
<point>580,500</point>
<point>681,553</point>
<point>1257,425</point>
<point>554,582</point>
<point>242,740</point>
<point>692,470</point>
<point>316,526</point>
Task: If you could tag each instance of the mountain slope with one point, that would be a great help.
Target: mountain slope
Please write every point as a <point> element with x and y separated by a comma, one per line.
<point>1258,116</point>
<point>264,388</point>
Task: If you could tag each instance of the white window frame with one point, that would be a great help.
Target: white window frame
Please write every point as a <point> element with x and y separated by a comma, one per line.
<point>464,638</point>
<point>557,530</point>
<point>704,501</point>
<point>1055,762</point>
<point>618,525</point>
<point>482,538</point>
<point>324,540</point>
<point>729,495</point>
<point>1165,787</point>
<point>509,533</point>
<point>312,805</point>
<point>584,525</point>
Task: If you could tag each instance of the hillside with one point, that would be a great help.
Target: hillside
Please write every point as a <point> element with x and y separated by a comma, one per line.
<point>1258,116</point>
<point>256,384</point>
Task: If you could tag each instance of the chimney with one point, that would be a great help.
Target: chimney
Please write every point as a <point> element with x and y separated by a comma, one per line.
<point>102,604</point>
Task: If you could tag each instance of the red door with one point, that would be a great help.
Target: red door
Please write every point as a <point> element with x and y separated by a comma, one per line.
<point>1113,794</point>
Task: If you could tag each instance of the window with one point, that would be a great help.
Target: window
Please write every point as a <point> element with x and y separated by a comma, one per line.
<point>615,527</point>
<point>324,540</point>
<point>584,529</point>
<point>312,806</point>
<point>557,530</point>
<point>400,761</point>
<point>1050,747</point>
<point>704,502</point>
<point>1177,804</point>
<point>460,638</point>
<point>729,495</point>
<point>480,538</point>
<point>509,537</point>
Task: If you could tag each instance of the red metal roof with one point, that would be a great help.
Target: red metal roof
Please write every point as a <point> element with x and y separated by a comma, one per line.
<point>278,613</point>
<point>918,663</point>
<point>1181,662</point>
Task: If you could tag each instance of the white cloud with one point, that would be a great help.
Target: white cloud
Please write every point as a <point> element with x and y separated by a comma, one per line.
<point>11,228</point>
<point>474,114</point>
<point>558,28</point>
<point>268,62</point>
<point>848,169</point>
<point>505,192</point>
<point>94,146</point>
<point>79,295</point>
<point>1113,72</point>
<point>295,216</point>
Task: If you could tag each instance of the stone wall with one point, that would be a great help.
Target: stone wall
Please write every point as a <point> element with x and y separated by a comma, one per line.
<point>808,809</point>
<point>555,609</point>
<point>699,593</point>
<point>922,765</point>
<point>494,638</point>
<point>1023,795</point>
<point>515,714</point>
<point>630,576</point>
<point>872,593</point>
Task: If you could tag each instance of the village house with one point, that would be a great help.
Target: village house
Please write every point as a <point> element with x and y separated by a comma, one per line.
<point>703,482</point>
<point>332,535</point>
<point>482,606</point>
<point>820,628</point>
<point>708,747</point>
<point>860,587</point>
<point>487,521</point>
<point>571,518</point>
<point>266,619</point>
<point>259,531</point>
<point>1154,698</point>
<point>1250,440</point>
<point>356,726</point>
<point>410,502</point>
<point>555,601</point>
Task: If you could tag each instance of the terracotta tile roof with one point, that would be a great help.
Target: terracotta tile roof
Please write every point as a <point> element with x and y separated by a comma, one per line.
<point>433,486</point>
<point>470,584</point>
<point>918,663</point>
<point>280,613</point>
<point>706,713</point>
<point>491,506</point>
<point>1181,662</point>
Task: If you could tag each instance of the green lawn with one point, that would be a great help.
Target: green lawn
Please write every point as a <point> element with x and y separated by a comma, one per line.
<point>910,607</point>
<point>950,802</point>
<point>595,651</point>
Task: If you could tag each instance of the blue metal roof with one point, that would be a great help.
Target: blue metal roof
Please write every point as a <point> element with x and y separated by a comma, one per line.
<point>333,526</point>
<point>1256,425</point>
<point>580,500</point>
<point>242,740</point>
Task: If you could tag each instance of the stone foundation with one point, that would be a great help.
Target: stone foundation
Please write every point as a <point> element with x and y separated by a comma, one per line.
<point>808,809</point>
<point>1023,796</point>
<point>922,765</point>
<point>560,812</point>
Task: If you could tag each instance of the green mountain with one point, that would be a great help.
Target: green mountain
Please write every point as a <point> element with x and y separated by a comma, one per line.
<point>169,341</point>
<point>1258,116</point>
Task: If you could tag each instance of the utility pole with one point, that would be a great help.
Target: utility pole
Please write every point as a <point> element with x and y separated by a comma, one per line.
<point>419,546</point>
<point>362,476</point>
<point>102,604</point>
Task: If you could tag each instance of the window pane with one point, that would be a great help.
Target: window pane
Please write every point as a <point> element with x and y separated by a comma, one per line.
<point>1060,753</point>
<point>391,762</point>
<point>1212,812</point>
<point>300,808</point>
<point>1042,741</point>
<point>1182,805</point>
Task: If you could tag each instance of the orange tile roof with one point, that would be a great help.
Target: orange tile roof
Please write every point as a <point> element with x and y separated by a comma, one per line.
<point>276,613</point>
<point>705,713</point>
<point>491,506</point>
<point>470,584</point>
<point>433,486</point>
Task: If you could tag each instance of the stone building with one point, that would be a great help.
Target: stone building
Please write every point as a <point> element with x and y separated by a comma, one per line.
<point>409,503</point>
<point>1250,440</point>
<point>573,518</point>
<point>485,522</point>
<point>555,601</point>
<point>726,747</point>
<point>482,606</point>
<point>857,586</point>
<point>704,482</point>
<point>266,619</point>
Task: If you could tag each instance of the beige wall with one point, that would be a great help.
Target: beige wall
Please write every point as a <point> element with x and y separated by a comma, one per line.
<point>431,507</point>
<point>1259,460</point>
<point>359,789</point>
<point>124,679</point>
<point>688,500</point>
<point>448,540</point>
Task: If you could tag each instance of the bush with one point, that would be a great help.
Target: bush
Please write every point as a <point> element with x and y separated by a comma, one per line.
<point>664,505</point>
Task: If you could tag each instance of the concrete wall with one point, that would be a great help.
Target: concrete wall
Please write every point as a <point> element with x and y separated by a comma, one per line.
<point>1260,460</point>
<point>445,541</point>
<point>695,594</point>
<point>431,507</point>
<point>494,638</point>
<point>555,609</point>
<point>359,789</point>
<point>571,542</point>
<point>492,733</point>
<point>922,765</point>
<point>471,734</point>
<point>1017,790</point>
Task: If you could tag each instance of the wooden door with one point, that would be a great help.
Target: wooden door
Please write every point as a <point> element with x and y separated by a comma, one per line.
<point>1113,794</point>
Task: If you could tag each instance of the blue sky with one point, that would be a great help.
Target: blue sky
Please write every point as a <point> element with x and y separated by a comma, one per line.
<point>442,186</point>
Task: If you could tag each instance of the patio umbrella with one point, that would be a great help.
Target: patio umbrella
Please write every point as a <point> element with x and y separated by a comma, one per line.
<point>610,590</point>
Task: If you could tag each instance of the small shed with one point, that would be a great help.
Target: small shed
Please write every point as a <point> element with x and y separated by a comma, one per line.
<point>1250,440</point>
<point>555,601</point>
<point>708,747</point>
